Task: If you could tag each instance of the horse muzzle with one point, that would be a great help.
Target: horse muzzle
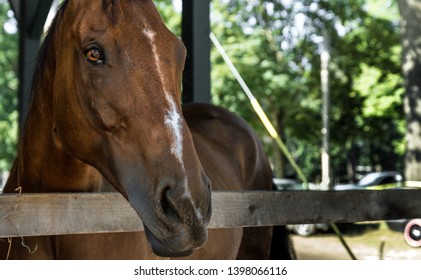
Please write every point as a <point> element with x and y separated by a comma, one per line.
<point>182,226</point>
<point>172,199</point>
<point>175,215</point>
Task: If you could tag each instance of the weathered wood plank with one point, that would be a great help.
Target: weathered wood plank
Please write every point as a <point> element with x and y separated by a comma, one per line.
<point>41,214</point>
<point>276,208</point>
<point>37,214</point>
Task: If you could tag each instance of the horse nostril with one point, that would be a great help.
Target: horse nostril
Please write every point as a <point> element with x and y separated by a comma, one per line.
<point>176,205</point>
<point>209,212</point>
<point>167,206</point>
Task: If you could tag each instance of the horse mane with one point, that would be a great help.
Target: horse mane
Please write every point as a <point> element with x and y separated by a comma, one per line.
<point>45,61</point>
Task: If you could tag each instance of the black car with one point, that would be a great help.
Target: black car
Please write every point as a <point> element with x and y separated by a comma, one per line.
<point>375,181</point>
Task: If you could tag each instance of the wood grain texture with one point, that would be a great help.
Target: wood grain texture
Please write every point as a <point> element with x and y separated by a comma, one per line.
<point>69,213</point>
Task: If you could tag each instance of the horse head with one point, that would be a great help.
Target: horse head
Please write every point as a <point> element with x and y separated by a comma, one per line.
<point>116,106</point>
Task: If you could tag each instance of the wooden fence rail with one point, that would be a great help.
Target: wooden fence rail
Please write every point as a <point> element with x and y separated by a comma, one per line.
<point>71,213</point>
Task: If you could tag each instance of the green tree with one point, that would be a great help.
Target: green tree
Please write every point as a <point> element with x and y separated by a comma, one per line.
<point>276,46</point>
<point>170,15</point>
<point>8,90</point>
<point>411,41</point>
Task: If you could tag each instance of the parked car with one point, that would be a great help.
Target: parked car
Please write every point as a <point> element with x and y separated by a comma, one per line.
<point>397,225</point>
<point>375,181</point>
<point>285,184</point>
<point>308,229</point>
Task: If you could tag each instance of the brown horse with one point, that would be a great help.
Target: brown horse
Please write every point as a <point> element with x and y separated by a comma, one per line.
<point>106,111</point>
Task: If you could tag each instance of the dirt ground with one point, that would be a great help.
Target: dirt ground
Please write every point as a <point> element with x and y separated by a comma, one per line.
<point>367,242</point>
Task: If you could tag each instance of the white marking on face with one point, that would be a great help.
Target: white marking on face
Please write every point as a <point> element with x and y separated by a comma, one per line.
<point>173,119</point>
<point>174,122</point>
<point>149,33</point>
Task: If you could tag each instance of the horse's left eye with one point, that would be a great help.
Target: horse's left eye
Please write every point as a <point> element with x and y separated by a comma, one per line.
<point>95,56</point>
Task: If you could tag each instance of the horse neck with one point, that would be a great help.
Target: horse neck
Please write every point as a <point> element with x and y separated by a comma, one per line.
<point>42,165</point>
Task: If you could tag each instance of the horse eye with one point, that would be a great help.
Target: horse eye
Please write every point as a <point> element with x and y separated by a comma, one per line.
<point>95,56</point>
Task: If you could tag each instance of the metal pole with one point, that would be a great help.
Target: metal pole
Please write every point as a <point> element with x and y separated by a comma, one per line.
<point>31,16</point>
<point>195,34</point>
<point>324,76</point>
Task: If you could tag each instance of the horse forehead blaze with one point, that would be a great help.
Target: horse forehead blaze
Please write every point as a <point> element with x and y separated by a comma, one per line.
<point>173,119</point>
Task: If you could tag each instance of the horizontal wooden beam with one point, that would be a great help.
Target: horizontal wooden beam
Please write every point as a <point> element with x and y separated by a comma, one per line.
<point>70,213</point>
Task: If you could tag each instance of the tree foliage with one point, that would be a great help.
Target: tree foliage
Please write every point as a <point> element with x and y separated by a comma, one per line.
<point>276,45</point>
<point>8,89</point>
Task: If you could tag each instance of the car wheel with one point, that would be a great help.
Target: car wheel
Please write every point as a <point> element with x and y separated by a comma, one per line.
<point>304,229</point>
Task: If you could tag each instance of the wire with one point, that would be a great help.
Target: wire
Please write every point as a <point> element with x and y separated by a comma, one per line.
<point>259,110</point>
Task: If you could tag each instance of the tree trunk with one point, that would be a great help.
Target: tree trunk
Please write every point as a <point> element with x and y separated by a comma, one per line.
<point>410,11</point>
<point>280,157</point>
